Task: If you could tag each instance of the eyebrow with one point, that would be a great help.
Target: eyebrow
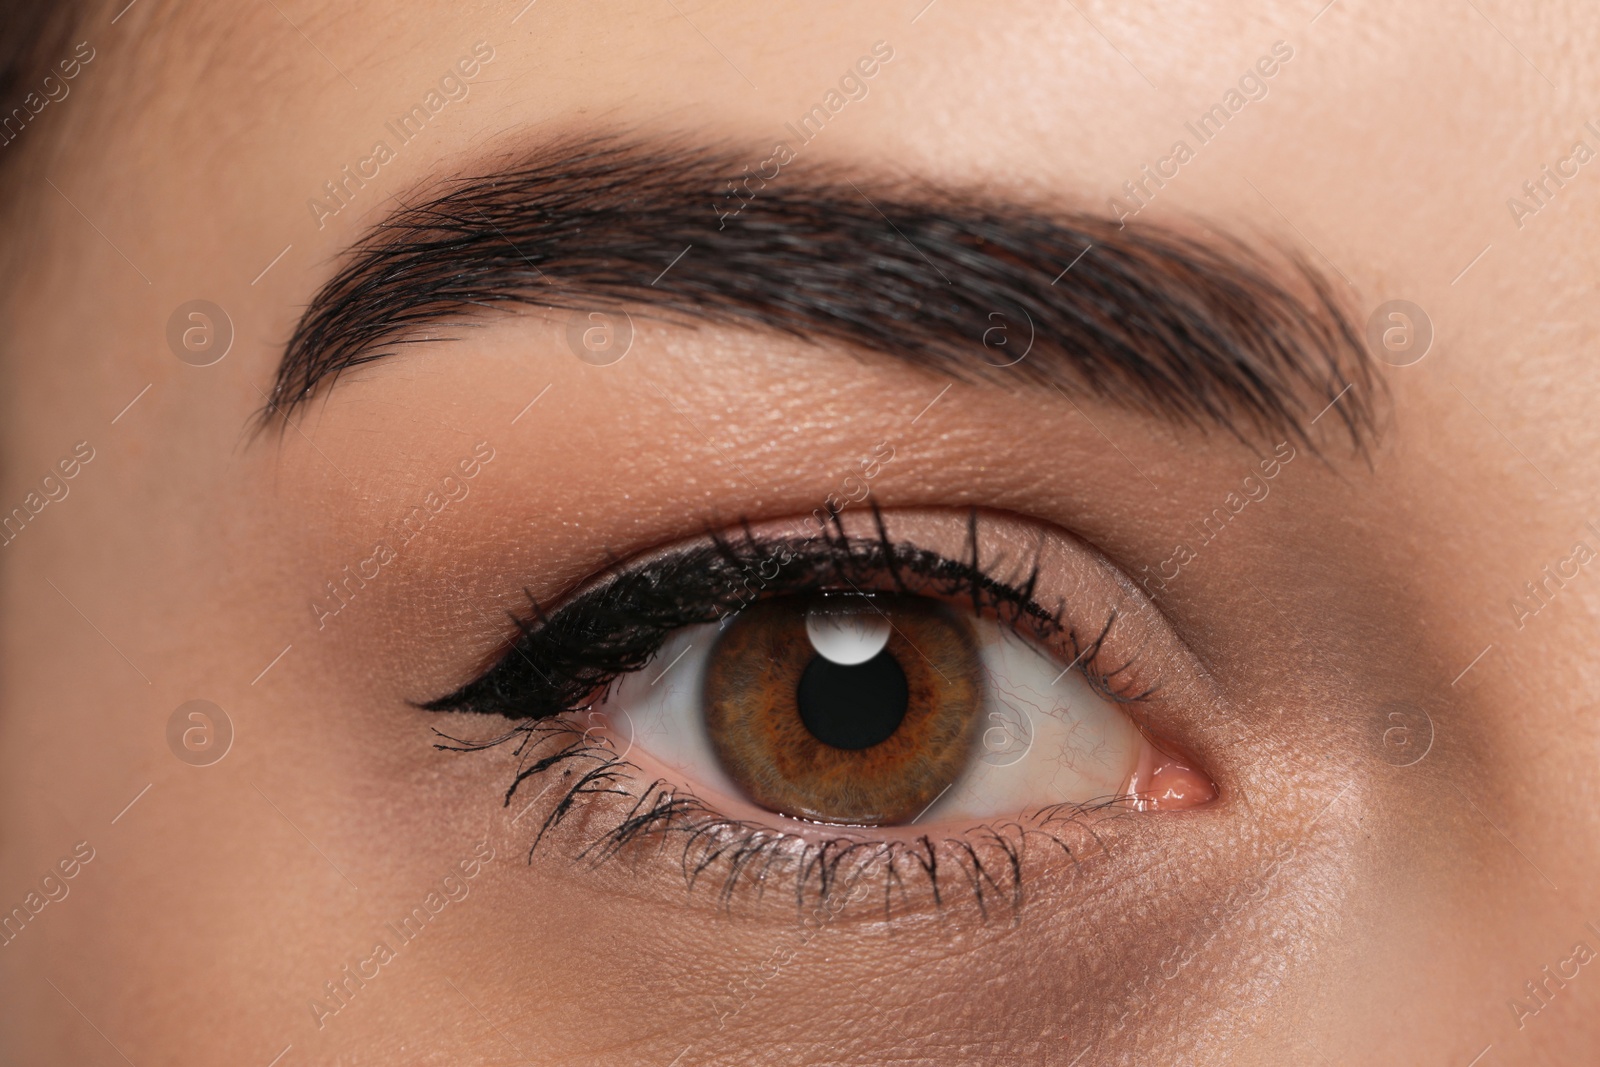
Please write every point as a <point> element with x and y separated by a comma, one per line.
<point>1205,333</point>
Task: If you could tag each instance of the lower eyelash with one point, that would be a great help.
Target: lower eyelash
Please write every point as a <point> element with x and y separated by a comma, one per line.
<point>987,861</point>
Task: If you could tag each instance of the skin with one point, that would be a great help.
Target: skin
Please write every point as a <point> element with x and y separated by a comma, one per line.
<point>1331,907</point>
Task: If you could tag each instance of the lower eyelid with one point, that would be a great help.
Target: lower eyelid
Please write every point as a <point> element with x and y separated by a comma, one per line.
<point>779,867</point>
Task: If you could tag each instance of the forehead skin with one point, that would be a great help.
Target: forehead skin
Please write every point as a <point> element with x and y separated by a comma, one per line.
<point>1415,902</point>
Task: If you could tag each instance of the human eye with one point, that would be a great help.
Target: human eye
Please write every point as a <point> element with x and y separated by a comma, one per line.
<point>831,701</point>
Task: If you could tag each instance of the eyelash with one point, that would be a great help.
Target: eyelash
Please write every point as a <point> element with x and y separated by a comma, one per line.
<point>563,662</point>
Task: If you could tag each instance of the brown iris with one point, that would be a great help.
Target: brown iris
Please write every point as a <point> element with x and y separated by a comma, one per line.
<point>864,743</point>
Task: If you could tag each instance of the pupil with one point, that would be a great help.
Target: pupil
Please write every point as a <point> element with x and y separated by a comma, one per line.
<point>852,705</point>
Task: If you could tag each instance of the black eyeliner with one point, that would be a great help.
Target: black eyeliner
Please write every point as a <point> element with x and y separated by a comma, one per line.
<point>562,660</point>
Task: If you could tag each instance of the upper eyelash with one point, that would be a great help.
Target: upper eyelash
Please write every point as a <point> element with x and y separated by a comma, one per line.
<point>561,660</point>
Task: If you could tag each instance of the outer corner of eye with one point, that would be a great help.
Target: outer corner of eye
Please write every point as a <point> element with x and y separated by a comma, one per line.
<point>891,710</point>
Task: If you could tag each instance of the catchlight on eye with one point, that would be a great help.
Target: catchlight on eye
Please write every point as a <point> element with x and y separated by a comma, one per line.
<point>847,632</point>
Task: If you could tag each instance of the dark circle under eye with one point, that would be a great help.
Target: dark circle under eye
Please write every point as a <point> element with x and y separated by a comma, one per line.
<point>865,743</point>
<point>852,705</point>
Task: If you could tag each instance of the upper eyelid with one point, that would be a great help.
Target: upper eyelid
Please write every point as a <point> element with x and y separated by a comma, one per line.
<point>700,561</point>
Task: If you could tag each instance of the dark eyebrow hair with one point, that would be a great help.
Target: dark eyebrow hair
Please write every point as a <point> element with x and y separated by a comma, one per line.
<point>1206,333</point>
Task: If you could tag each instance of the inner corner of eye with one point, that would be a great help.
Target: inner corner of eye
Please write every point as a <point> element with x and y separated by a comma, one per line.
<point>885,710</point>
